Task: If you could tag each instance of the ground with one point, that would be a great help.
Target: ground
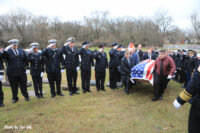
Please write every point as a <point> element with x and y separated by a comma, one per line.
<point>97,112</point>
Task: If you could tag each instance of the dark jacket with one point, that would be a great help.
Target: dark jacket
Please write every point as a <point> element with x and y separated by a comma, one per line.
<point>71,57</point>
<point>140,53</point>
<point>189,64</point>
<point>86,59</point>
<point>54,60</point>
<point>101,61</point>
<point>114,58</point>
<point>135,58</point>
<point>125,68</point>
<point>37,64</point>
<point>1,65</point>
<point>16,64</point>
<point>192,89</point>
<point>168,66</point>
<point>181,61</point>
<point>146,56</point>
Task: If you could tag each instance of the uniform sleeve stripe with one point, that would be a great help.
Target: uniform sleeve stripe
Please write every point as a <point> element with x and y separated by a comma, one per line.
<point>187,93</point>
<point>1,70</point>
<point>184,96</point>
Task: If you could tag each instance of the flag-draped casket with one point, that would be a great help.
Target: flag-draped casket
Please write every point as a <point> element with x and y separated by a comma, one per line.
<point>143,71</point>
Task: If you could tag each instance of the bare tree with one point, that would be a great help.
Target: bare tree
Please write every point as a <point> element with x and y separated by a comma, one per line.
<point>195,19</point>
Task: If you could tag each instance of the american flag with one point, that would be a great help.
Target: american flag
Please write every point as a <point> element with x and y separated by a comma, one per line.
<point>143,70</point>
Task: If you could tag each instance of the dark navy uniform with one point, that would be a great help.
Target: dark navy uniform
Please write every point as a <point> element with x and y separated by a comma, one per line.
<point>1,74</point>
<point>37,67</point>
<point>71,63</point>
<point>192,89</point>
<point>17,63</point>
<point>180,66</point>
<point>54,60</point>
<point>189,68</point>
<point>86,63</point>
<point>100,68</point>
<point>113,66</point>
<point>147,56</point>
<point>140,53</point>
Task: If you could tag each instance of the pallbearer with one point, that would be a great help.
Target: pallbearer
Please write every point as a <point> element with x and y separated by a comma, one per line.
<point>100,67</point>
<point>54,61</point>
<point>37,68</point>
<point>17,68</point>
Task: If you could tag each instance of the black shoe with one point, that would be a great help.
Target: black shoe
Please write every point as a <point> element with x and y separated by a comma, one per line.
<point>155,99</point>
<point>15,100</point>
<point>98,90</point>
<point>41,95</point>
<point>71,93</point>
<point>60,94</point>
<point>52,96</point>
<point>27,99</point>
<point>89,90</point>
<point>2,105</point>
<point>76,92</point>
<point>160,98</point>
<point>127,92</point>
<point>84,91</point>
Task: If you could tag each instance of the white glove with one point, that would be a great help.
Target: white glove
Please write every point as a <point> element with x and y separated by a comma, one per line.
<point>27,71</point>
<point>50,45</point>
<point>1,78</point>
<point>31,50</point>
<point>62,70</point>
<point>66,44</point>
<point>92,68</point>
<point>176,104</point>
<point>100,50</point>
<point>169,77</point>
<point>78,68</point>
<point>6,49</point>
<point>42,74</point>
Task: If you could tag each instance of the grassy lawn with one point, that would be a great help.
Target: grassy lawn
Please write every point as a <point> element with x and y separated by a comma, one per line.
<point>97,112</point>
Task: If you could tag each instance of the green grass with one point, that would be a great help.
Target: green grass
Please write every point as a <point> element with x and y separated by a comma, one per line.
<point>103,112</point>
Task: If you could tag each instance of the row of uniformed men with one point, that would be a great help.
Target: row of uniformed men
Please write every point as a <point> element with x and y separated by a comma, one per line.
<point>52,59</point>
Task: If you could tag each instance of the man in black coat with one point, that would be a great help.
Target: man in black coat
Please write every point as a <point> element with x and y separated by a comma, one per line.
<point>149,55</point>
<point>100,67</point>
<point>72,64</point>
<point>125,70</point>
<point>180,67</point>
<point>54,60</point>
<point>37,68</point>
<point>17,63</point>
<point>1,79</point>
<point>113,65</point>
<point>140,52</point>
<point>86,63</point>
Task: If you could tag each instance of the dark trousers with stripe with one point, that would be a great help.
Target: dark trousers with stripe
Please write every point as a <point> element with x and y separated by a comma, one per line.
<point>18,81</point>
<point>160,84</point>
<point>1,94</point>
<point>85,77</point>
<point>194,117</point>
<point>37,83</point>
<point>54,78</point>
<point>100,80</point>
<point>127,83</point>
<point>113,74</point>
<point>71,80</point>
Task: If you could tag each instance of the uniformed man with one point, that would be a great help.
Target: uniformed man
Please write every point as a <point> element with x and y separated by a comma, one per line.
<point>72,64</point>
<point>189,66</point>
<point>37,68</point>
<point>86,63</point>
<point>192,89</point>
<point>1,79</point>
<point>177,56</point>
<point>54,60</point>
<point>180,67</point>
<point>121,52</point>
<point>113,65</point>
<point>17,68</point>
<point>100,67</point>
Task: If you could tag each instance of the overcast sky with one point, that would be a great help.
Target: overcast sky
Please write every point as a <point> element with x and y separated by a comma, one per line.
<point>67,10</point>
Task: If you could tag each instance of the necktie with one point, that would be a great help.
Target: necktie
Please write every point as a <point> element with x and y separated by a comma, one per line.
<point>161,67</point>
<point>15,52</point>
